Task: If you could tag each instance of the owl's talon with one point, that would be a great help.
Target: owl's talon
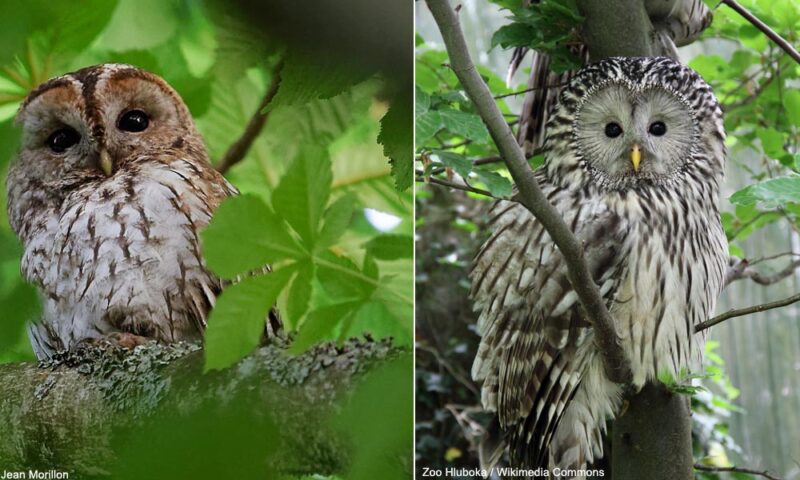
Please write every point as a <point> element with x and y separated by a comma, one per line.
<point>126,340</point>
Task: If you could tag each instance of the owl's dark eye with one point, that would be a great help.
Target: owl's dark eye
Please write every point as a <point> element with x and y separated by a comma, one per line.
<point>133,121</point>
<point>658,129</point>
<point>60,140</point>
<point>613,130</point>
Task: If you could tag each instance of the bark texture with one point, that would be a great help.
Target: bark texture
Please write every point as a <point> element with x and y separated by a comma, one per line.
<point>652,437</point>
<point>621,28</point>
<point>72,413</point>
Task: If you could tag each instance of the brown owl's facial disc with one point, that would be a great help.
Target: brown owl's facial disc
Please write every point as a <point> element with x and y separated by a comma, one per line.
<point>139,113</point>
<point>56,137</point>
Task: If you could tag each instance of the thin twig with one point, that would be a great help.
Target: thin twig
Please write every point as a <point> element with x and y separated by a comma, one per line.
<point>780,41</point>
<point>750,98</point>
<point>532,89</point>
<point>773,257</point>
<point>746,311</point>
<point>616,362</point>
<point>445,183</point>
<point>455,372</point>
<point>486,161</point>
<point>741,270</point>
<point>238,150</point>
<point>749,471</point>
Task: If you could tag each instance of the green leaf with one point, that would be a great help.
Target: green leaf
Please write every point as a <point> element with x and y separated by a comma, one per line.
<point>771,141</point>
<point>377,319</point>
<point>709,66</point>
<point>68,30</point>
<point>791,101</point>
<point>380,440</point>
<point>200,442</point>
<point>244,235</point>
<point>422,101</point>
<point>461,164</point>
<point>238,318</point>
<point>397,138</point>
<point>299,293</point>
<point>464,124</point>
<point>303,192</point>
<point>19,306</point>
<point>467,125</point>
<point>775,192</point>
<point>426,126</point>
<point>140,24</point>
<point>513,35</point>
<point>391,247</point>
<point>305,78</point>
<point>9,139</point>
<point>320,323</point>
<point>342,279</point>
<point>337,217</point>
<point>497,184</point>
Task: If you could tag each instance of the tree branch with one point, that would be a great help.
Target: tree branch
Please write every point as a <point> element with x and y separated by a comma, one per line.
<point>749,471</point>
<point>70,412</point>
<point>740,269</point>
<point>780,41</point>
<point>487,161</point>
<point>238,150</point>
<point>746,311</point>
<point>531,89</point>
<point>445,183</point>
<point>530,195</point>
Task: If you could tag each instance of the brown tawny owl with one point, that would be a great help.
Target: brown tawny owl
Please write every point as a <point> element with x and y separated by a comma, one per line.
<point>110,189</point>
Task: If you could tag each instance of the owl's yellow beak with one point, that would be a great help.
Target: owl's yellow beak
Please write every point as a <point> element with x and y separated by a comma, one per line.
<point>106,164</point>
<point>636,156</point>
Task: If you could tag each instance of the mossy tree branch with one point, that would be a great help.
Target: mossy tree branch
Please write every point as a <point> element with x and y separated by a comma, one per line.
<point>74,413</point>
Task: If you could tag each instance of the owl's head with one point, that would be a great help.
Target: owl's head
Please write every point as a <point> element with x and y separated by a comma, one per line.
<point>634,122</point>
<point>90,124</point>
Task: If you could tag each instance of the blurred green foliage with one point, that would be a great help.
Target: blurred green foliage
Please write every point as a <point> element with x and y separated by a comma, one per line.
<point>757,87</point>
<point>320,201</point>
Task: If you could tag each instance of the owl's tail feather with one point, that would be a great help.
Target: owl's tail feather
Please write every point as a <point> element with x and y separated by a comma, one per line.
<point>578,439</point>
<point>531,440</point>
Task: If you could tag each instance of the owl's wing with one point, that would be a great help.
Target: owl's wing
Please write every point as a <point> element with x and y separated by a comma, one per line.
<point>534,341</point>
<point>544,87</point>
<point>683,23</point>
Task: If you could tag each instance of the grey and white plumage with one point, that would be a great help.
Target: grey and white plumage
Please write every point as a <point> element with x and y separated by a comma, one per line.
<point>675,23</point>
<point>653,242</point>
<point>110,225</point>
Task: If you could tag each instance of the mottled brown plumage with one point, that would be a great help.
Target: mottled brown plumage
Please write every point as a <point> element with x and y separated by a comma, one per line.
<point>108,194</point>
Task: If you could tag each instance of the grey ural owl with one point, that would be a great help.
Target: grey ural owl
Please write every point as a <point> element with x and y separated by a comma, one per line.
<point>110,189</point>
<point>675,24</point>
<point>634,157</point>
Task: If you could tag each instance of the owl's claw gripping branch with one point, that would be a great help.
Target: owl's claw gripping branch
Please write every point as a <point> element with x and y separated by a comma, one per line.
<point>617,365</point>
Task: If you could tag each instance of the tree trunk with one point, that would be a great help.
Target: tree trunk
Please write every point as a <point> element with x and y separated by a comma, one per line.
<point>652,436</point>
